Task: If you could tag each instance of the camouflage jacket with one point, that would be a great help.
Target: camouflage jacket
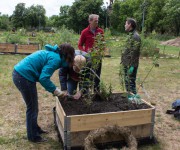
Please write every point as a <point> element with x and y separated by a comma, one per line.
<point>130,56</point>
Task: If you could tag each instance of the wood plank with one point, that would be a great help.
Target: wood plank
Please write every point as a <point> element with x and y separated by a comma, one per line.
<point>6,47</point>
<point>148,103</point>
<point>60,112</point>
<point>26,51</point>
<point>60,127</point>
<point>140,131</point>
<point>27,48</point>
<point>125,118</point>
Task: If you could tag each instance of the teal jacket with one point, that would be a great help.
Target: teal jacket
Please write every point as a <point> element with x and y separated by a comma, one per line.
<point>40,66</point>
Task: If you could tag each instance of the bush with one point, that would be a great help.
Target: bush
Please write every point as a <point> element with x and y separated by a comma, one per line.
<point>149,47</point>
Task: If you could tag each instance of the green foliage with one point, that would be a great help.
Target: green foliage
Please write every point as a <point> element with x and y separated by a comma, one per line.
<point>5,23</point>
<point>18,17</point>
<point>149,47</point>
<point>97,54</point>
<point>61,36</point>
<point>13,38</point>
<point>106,91</point>
<point>33,16</point>
<point>172,16</point>
<point>79,12</point>
<point>42,39</point>
<point>153,15</point>
<point>123,10</point>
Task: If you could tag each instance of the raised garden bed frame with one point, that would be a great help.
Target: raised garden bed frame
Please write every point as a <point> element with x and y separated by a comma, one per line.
<point>74,129</point>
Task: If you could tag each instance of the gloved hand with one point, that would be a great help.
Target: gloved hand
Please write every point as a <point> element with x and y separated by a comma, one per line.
<point>131,69</point>
<point>77,95</point>
<point>135,99</point>
<point>59,93</point>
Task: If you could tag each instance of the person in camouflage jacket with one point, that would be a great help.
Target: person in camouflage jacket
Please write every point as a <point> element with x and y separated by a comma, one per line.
<point>130,56</point>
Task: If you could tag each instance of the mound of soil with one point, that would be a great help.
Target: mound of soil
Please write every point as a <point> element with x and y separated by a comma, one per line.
<point>173,42</point>
<point>117,102</point>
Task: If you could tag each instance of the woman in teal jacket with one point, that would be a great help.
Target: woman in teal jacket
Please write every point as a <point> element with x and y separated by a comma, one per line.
<point>39,67</point>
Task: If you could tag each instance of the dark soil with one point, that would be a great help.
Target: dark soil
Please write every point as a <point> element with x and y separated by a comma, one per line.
<point>117,102</point>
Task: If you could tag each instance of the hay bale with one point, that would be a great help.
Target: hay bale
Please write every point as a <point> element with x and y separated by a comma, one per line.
<point>108,131</point>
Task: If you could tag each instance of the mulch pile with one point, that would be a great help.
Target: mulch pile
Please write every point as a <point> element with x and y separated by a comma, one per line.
<point>173,42</point>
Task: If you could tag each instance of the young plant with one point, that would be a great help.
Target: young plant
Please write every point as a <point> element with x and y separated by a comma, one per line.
<point>96,55</point>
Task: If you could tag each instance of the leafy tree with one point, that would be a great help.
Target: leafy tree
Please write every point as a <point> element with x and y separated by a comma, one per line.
<point>172,16</point>
<point>79,12</point>
<point>52,21</point>
<point>64,10</point>
<point>154,15</point>
<point>18,17</point>
<point>36,16</point>
<point>5,23</point>
<point>123,10</point>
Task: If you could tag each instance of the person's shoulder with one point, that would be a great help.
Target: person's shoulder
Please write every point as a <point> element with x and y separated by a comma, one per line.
<point>100,29</point>
<point>136,36</point>
<point>85,30</point>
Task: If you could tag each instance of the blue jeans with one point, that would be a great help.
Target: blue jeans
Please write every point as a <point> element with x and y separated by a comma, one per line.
<point>29,92</point>
<point>72,86</point>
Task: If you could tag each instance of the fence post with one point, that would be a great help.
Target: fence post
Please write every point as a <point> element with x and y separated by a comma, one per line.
<point>16,47</point>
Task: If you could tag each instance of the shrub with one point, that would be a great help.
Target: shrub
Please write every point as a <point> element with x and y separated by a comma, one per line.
<point>149,47</point>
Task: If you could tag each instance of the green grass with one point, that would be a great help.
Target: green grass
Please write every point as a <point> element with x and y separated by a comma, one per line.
<point>169,49</point>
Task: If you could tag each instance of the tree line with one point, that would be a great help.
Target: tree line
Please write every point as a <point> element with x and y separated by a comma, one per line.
<point>161,16</point>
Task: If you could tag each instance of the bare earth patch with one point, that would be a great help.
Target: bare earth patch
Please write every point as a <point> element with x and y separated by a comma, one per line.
<point>173,42</point>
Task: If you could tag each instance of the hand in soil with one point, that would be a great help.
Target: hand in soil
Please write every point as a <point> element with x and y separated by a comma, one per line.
<point>77,95</point>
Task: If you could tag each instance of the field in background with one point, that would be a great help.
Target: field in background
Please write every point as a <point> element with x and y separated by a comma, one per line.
<point>162,86</point>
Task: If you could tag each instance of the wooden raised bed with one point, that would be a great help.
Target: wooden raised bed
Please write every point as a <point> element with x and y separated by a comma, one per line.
<point>74,129</point>
<point>18,48</point>
<point>27,48</point>
<point>7,48</point>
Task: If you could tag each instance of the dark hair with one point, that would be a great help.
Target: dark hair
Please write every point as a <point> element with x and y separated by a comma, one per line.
<point>132,22</point>
<point>67,52</point>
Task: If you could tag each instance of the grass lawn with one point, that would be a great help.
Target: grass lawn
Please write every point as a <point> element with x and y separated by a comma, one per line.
<point>169,49</point>
<point>162,86</point>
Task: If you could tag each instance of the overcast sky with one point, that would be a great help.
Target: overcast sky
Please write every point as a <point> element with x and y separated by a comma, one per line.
<point>51,6</point>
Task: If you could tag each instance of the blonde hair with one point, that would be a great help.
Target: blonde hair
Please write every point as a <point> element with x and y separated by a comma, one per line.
<point>80,61</point>
<point>92,16</point>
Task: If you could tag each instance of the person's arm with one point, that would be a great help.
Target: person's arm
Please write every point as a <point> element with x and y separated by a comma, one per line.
<point>63,74</point>
<point>135,49</point>
<point>45,76</point>
<point>81,42</point>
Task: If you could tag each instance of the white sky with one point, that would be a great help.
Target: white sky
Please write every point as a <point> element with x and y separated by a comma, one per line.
<point>51,6</point>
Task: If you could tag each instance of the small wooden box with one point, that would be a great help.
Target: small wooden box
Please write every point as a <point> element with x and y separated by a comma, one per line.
<point>75,128</point>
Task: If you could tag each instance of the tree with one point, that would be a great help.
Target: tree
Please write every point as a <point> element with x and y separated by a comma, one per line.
<point>80,10</point>
<point>123,10</point>
<point>172,16</point>
<point>35,16</point>
<point>64,10</point>
<point>18,17</point>
<point>5,23</point>
<point>154,15</point>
